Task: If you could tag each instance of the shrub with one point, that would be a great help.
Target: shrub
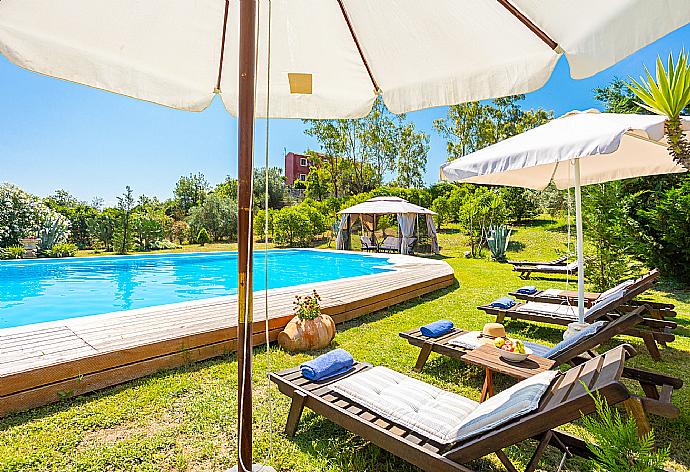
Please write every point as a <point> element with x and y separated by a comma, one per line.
<point>20,214</point>
<point>203,237</point>
<point>12,252</point>
<point>292,226</point>
<point>163,244</point>
<point>260,223</point>
<point>63,250</point>
<point>617,446</point>
<point>146,230</point>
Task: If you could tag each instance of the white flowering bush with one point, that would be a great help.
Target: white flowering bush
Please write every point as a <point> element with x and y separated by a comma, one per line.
<point>22,215</point>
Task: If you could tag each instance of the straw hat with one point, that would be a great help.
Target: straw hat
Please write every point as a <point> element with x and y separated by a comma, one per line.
<point>494,330</point>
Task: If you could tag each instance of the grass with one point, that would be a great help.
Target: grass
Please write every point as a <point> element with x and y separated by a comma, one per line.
<point>184,419</point>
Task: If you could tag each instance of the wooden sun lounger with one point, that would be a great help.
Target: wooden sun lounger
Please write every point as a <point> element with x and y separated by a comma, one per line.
<point>651,330</point>
<point>657,387</point>
<point>556,262</point>
<point>656,310</point>
<point>566,400</point>
<point>526,270</point>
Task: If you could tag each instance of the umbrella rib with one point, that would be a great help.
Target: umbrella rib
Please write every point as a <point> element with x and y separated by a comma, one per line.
<point>359,47</point>
<point>222,46</point>
<point>529,24</point>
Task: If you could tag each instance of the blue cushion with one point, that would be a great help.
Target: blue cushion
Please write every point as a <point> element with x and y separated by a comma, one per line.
<point>327,365</point>
<point>527,290</point>
<point>503,302</point>
<point>437,328</point>
<point>588,332</point>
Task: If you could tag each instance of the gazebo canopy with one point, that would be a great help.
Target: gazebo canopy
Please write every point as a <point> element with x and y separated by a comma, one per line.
<point>405,211</point>
<point>385,206</point>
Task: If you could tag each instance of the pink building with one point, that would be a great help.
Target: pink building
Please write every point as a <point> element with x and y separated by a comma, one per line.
<point>296,167</point>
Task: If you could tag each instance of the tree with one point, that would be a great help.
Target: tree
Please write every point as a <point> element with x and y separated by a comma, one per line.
<point>521,203</point>
<point>441,207</point>
<point>291,225</point>
<point>203,238</point>
<point>191,191</point>
<point>318,186</point>
<point>668,95</point>
<point>179,231</point>
<point>605,219</point>
<point>412,149</point>
<point>472,126</point>
<point>218,215</point>
<point>102,228</point>
<point>276,187</point>
<point>123,231</point>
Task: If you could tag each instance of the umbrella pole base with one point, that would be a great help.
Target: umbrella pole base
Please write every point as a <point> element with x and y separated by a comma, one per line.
<point>255,468</point>
<point>574,328</point>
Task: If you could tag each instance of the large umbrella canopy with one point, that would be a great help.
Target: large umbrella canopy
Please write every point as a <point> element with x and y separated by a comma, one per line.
<point>609,146</point>
<point>329,58</point>
<point>577,149</point>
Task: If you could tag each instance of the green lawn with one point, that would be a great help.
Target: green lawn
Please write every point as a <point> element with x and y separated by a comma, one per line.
<point>185,419</point>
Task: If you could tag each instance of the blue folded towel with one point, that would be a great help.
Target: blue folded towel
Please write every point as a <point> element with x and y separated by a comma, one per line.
<point>437,328</point>
<point>332,363</point>
<point>527,290</point>
<point>503,302</point>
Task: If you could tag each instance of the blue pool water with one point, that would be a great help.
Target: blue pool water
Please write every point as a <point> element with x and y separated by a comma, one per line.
<point>56,289</point>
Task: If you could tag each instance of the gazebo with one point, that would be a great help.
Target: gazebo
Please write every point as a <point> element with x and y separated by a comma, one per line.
<point>368,211</point>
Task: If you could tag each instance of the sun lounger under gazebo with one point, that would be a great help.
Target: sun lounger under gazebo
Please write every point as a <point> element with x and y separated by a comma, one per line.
<point>558,296</point>
<point>367,244</point>
<point>454,344</point>
<point>441,431</point>
<point>650,330</point>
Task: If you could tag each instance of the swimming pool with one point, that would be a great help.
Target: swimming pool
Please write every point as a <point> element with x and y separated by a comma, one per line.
<point>34,291</point>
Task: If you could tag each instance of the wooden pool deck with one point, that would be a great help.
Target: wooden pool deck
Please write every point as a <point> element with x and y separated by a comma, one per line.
<point>43,363</point>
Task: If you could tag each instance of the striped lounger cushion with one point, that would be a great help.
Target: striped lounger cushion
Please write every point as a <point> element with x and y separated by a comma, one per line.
<point>442,416</point>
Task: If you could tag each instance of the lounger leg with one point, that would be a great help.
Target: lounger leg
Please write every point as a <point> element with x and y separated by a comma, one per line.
<point>505,461</point>
<point>423,356</point>
<point>500,317</point>
<point>650,343</point>
<point>295,414</point>
<point>635,408</point>
<point>541,447</point>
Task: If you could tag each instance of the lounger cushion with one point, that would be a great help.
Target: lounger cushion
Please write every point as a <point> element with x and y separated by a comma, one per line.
<point>537,349</point>
<point>580,336</point>
<point>515,402</point>
<point>614,293</point>
<point>423,408</point>
<point>549,309</point>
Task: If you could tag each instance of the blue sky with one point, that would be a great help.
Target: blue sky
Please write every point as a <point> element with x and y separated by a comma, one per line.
<point>55,134</point>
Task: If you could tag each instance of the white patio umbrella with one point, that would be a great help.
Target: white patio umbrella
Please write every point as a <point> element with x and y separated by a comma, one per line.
<point>577,149</point>
<point>328,59</point>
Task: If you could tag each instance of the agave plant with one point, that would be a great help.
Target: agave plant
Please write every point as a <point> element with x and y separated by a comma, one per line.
<point>498,238</point>
<point>668,94</point>
<point>54,229</point>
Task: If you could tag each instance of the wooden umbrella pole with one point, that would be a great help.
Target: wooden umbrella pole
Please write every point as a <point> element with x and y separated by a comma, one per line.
<point>247,70</point>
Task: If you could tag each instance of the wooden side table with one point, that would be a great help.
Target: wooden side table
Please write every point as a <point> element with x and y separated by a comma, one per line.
<point>488,356</point>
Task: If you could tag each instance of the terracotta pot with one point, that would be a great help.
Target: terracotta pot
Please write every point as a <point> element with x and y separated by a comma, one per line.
<point>304,335</point>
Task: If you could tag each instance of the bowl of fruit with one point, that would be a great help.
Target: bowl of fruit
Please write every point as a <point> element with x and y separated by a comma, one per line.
<point>512,350</point>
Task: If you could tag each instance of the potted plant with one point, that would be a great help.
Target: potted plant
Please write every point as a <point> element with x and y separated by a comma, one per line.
<point>309,329</point>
